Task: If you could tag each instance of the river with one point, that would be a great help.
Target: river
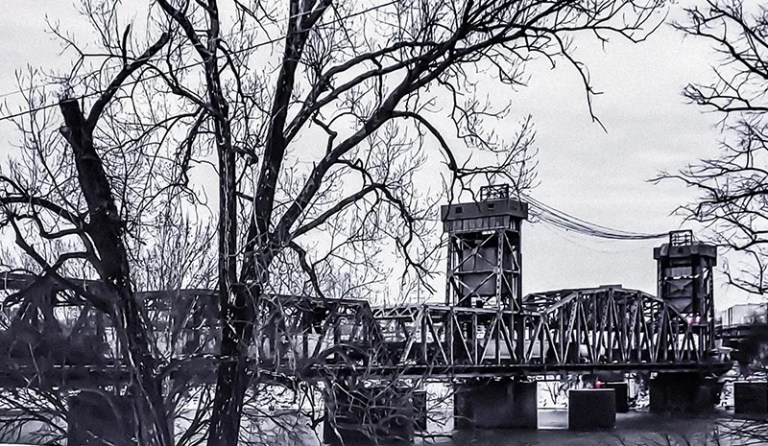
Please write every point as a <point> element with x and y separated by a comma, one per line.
<point>636,428</point>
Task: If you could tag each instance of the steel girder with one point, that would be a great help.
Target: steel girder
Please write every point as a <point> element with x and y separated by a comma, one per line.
<point>578,329</point>
<point>584,329</point>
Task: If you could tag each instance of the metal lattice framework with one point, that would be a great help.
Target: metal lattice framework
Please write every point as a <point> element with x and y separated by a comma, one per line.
<point>612,325</point>
<point>585,329</point>
<point>685,276</point>
<point>49,337</point>
<point>486,327</point>
<point>484,268</point>
<point>302,333</point>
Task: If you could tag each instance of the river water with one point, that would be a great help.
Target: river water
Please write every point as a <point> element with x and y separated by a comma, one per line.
<point>636,428</point>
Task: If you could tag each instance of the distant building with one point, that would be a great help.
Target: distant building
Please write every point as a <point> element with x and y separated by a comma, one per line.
<point>744,314</point>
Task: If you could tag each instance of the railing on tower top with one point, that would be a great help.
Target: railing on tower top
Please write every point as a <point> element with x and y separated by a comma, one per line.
<point>498,192</point>
<point>681,238</point>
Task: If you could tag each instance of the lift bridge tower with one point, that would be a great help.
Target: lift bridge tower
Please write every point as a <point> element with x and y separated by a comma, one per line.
<point>485,278</point>
<point>685,282</point>
<point>484,255</point>
<point>685,277</point>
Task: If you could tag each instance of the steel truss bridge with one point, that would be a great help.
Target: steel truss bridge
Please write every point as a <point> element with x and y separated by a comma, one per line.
<point>485,328</point>
<point>605,328</point>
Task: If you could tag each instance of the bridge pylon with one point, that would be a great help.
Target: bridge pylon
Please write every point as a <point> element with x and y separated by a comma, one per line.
<point>685,282</point>
<point>484,250</point>
<point>485,262</point>
<point>685,279</point>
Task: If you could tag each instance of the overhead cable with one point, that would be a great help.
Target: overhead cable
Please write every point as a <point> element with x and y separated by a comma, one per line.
<point>551,216</point>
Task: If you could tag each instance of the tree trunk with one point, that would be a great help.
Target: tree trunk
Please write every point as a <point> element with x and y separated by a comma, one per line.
<point>235,303</point>
<point>232,383</point>
<point>105,229</point>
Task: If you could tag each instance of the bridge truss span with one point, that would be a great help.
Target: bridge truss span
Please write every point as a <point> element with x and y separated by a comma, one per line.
<point>605,328</point>
<point>614,325</point>
<point>585,329</point>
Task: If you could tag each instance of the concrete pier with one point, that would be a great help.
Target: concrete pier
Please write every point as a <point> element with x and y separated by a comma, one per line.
<point>369,415</point>
<point>591,409</point>
<point>500,404</point>
<point>750,398</point>
<point>621,390</point>
<point>100,419</point>
<point>681,393</point>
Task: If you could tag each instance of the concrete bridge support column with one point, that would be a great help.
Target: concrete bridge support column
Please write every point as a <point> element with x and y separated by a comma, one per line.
<point>681,393</point>
<point>97,418</point>
<point>420,409</point>
<point>369,415</point>
<point>621,390</point>
<point>750,398</point>
<point>590,409</point>
<point>502,404</point>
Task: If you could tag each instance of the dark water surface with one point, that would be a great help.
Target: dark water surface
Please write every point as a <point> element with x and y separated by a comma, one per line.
<point>637,428</point>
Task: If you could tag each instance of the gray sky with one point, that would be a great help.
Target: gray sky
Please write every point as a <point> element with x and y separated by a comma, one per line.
<point>589,173</point>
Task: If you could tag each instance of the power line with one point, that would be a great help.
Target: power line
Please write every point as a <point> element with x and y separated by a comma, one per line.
<point>602,246</point>
<point>154,76</point>
<point>549,215</point>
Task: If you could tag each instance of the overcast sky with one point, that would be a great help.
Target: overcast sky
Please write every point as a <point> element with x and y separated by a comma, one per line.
<point>600,176</point>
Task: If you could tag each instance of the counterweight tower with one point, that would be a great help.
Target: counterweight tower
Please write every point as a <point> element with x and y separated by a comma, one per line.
<point>484,252</point>
<point>685,274</point>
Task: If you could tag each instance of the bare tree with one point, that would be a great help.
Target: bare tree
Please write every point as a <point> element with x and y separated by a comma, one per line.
<point>733,203</point>
<point>319,121</point>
